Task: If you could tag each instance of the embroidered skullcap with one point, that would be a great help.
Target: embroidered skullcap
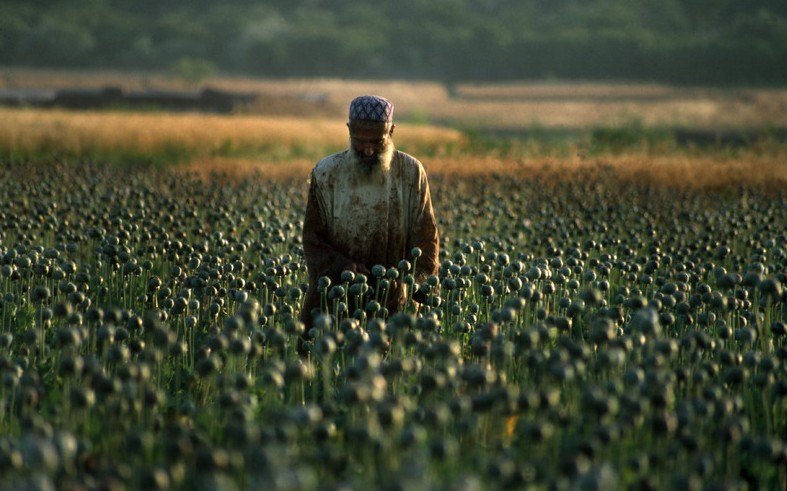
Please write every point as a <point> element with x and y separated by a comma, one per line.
<point>371,108</point>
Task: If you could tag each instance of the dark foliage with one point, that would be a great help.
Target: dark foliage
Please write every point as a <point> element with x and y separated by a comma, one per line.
<point>686,42</point>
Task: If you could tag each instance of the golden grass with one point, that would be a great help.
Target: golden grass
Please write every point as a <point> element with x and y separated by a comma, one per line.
<point>763,170</point>
<point>766,170</point>
<point>242,145</point>
<point>141,133</point>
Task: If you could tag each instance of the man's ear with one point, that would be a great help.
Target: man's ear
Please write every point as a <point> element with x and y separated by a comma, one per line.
<point>393,126</point>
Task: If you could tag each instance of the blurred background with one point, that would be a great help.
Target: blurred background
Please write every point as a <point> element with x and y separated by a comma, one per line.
<point>671,41</point>
<point>708,70</point>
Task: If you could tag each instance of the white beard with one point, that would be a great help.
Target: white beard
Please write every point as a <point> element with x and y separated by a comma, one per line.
<point>375,171</point>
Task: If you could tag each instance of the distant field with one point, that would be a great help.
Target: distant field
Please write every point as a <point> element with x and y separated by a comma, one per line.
<point>287,147</point>
<point>148,132</point>
<point>512,106</point>
<point>296,122</point>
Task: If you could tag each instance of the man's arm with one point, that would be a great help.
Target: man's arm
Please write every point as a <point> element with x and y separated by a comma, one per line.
<point>322,259</point>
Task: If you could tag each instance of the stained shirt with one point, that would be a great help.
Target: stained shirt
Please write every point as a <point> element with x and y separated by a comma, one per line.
<point>368,218</point>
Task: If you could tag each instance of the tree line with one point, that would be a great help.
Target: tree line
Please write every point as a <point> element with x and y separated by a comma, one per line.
<point>673,41</point>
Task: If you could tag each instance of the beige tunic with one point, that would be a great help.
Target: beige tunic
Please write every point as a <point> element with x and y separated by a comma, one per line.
<point>372,219</point>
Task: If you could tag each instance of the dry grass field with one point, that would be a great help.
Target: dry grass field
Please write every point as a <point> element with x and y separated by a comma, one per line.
<point>509,106</point>
<point>285,147</point>
<point>296,121</point>
<point>147,132</point>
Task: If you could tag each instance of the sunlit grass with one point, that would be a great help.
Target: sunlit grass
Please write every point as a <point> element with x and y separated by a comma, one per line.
<point>287,147</point>
<point>175,138</point>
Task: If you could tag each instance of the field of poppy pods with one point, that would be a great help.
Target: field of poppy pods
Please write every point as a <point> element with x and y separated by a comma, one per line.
<point>590,327</point>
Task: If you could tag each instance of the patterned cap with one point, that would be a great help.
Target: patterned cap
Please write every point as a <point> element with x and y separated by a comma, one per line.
<point>371,108</point>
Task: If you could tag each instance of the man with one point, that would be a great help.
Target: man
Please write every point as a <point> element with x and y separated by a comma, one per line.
<point>368,205</point>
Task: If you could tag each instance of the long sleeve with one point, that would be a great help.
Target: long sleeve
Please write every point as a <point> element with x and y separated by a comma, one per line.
<point>322,259</point>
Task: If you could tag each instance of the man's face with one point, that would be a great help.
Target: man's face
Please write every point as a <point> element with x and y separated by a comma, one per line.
<point>370,140</point>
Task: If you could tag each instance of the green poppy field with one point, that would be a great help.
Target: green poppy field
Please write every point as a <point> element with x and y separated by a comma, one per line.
<point>615,321</point>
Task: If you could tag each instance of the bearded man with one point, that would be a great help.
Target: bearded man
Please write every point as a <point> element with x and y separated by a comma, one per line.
<point>367,206</point>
